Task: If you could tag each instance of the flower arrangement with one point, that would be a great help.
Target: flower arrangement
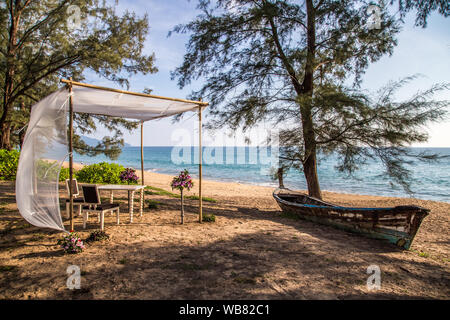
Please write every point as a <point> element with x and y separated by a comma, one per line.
<point>181,182</point>
<point>71,243</point>
<point>129,176</point>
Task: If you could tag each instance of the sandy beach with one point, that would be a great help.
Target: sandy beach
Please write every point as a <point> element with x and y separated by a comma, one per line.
<point>250,252</point>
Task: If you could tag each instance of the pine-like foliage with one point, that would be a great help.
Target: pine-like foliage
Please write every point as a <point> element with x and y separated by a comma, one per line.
<point>290,63</point>
<point>43,41</point>
<point>357,127</point>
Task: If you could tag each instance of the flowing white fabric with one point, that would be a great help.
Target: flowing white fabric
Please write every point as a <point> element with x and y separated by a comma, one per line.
<point>41,157</point>
<point>45,146</point>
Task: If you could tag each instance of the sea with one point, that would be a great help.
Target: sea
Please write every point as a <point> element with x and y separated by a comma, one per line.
<point>253,165</point>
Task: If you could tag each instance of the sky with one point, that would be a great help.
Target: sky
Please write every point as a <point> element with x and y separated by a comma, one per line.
<point>419,51</point>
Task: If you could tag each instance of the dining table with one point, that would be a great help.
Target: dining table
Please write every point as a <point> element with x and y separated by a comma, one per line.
<point>131,189</point>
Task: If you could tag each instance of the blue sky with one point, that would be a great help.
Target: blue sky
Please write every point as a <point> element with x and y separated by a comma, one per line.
<point>419,51</point>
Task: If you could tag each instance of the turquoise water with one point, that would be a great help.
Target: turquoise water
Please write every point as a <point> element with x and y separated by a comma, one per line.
<point>251,165</point>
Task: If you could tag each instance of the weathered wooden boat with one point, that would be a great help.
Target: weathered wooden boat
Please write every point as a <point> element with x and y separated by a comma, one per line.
<point>397,225</point>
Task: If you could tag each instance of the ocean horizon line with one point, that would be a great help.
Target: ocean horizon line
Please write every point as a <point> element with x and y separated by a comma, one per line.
<point>430,181</point>
<point>255,146</point>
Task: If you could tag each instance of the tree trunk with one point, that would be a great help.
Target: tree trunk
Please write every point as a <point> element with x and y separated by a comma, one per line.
<point>309,137</point>
<point>305,89</point>
<point>22,130</point>
<point>280,173</point>
<point>312,179</point>
<point>5,142</point>
<point>5,126</point>
<point>9,76</point>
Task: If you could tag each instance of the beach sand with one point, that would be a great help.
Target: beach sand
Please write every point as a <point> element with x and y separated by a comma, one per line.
<point>250,252</point>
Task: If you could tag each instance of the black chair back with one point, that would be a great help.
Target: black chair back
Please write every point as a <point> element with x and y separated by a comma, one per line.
<point>91,194</point>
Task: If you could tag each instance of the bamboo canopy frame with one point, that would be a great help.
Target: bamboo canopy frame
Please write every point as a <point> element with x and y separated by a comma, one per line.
<point>200,104</point>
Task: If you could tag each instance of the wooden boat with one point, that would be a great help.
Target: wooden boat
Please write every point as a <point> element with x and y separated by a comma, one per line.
<point>397,225</point>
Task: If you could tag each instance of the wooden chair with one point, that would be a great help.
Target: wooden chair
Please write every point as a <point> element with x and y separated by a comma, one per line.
<point>77,200</point>
<point>93,204</point>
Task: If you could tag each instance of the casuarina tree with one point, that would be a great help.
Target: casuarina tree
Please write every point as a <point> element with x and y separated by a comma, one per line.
<point>42,41</point>
<point>299,65</point>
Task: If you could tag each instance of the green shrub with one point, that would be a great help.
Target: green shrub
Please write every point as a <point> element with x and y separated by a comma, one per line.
<point>102,172</point>
<point>48,170</point>
<point>8,164</point>
<point>64,174</point>
<point>209,218</point>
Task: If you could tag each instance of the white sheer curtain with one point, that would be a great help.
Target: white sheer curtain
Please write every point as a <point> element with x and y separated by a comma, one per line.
<point>41,157</point>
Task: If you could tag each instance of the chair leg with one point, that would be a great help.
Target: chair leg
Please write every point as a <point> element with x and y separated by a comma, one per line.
<point>85,218</point>
<point>102,220</point>
<point>131,204</point>
<point>118,214</point>
<point>79,210</point>
<point>67,210</point>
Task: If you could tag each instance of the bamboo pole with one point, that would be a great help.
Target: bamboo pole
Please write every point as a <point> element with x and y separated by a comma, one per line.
<point>200,156</point>
<point>71,157</point>
<point>131,93</point>
<point>142,152</point>
<point>142,195</point>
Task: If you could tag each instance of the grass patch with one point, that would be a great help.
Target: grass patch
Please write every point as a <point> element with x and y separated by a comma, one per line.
<point>8,268</point>
<point>244,280</point>
<point>161,192</point>
<point>206,199</point>
<point>422,254</point>
<point>152,204</point>
<point>123,261</point>
<point>209,218</point>
<point>188,267</point>
<point>191,266</point>
<point>97,235</point>
<point>290,215</point>
<point>37,237</point>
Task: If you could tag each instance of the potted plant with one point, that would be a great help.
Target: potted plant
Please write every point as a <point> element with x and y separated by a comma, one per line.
<point>181,182</point>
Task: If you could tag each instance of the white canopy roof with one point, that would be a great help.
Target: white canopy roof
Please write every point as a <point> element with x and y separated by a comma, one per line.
<point>45,145</point>
<point>124,104</point>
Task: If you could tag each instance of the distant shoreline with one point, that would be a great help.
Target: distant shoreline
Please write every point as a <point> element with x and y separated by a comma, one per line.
<point>166,176</point>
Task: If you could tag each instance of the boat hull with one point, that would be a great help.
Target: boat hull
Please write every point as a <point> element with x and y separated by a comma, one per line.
<point>397,225</point>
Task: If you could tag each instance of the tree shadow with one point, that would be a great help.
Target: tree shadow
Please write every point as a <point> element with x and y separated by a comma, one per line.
<point>324,232</point>
<point>247,266</point>
<point>322,263</point>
